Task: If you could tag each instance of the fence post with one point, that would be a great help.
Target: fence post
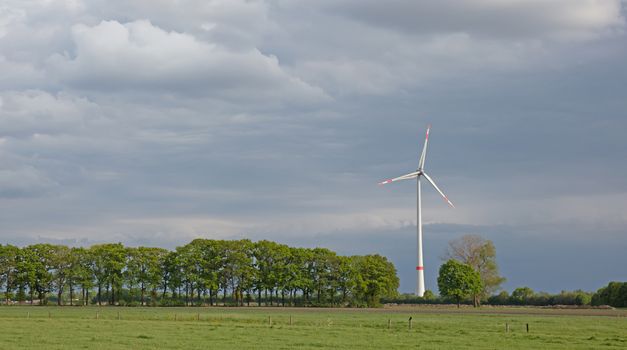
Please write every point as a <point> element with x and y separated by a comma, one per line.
<point>410,319</point>
<point>389,323</point>
<point>506,327</point>
<point>527,327</point>
<point>28,314</point>
<point>97,314</point>
<point>270,320</point>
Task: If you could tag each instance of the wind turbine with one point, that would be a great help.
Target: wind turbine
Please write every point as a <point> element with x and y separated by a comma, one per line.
<point>420,283</point>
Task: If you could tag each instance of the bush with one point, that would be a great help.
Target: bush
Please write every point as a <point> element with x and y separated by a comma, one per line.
<point>614,294</point>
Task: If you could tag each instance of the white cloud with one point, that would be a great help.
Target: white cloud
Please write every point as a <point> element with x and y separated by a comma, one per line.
<point>32,112</point>
<point>156,121</point>
<point>139,55</point>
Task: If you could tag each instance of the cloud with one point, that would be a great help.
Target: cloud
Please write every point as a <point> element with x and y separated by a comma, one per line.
<point>23,181</point>
<point>154,122</point>
<point>35,112</point>
<point>494,19</point>
<point>138,55</point>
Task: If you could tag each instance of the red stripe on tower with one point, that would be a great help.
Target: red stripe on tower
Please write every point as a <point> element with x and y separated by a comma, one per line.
<point>420,268</point>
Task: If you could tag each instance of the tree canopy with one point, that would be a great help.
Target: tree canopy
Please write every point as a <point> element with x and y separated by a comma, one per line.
<point>480,254</point>
<point>202,272</point>
<point>458,281</point>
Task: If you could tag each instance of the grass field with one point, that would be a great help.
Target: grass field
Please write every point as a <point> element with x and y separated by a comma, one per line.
<point>24,327</point>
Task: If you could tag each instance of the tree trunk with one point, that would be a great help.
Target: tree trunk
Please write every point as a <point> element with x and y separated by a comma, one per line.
<point>186,294</point>
<point>143,291</point>
<point>6,293</point>
<point>319,287</point>
<point>59,292</point>
<point>99,294</point>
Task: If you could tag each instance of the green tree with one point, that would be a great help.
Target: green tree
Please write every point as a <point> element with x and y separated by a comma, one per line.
<point>265,257</point>
<point>109,263</point>
<point>522,295</point>
<point>171,276</point>
<point>480,254</point>
<point>428,295</point>
<point>40,260</point>
<point>614,294</point>
<point>9,256</point>
<point>375,278</point>
<point>241,258</point>
<point>143,270</point>
<point>458,281</point>
<point>61,263</point>
<point>301,266</point>
<point>345,281</point>
<point>80,273</point>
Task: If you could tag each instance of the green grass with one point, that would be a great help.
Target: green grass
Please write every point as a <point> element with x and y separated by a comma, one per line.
<point>24,327</point>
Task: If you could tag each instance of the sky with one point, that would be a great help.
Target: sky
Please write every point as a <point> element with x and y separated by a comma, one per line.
<point>153,122</point>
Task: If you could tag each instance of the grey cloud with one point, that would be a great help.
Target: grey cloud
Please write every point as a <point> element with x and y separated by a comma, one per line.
<point>22,182</point>
<point>270,121</point>
<point>561,20</point>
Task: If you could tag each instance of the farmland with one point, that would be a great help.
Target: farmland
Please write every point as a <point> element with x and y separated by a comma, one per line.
<point>26,327</point>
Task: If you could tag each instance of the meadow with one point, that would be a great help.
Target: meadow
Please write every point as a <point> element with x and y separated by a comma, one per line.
<point>35,327</point>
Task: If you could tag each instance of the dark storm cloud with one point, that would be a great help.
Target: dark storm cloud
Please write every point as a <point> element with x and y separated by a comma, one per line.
<point>157,123</point>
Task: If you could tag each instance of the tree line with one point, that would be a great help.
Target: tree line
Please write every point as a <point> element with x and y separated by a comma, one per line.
<point>202,272</point>
<point>470,276</point>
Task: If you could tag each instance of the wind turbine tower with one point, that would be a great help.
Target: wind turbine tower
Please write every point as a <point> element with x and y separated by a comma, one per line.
<point>420,276</point>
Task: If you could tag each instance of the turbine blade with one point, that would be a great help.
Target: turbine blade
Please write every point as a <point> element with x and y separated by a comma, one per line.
<point>437,189</point>
<point>423,155</point>
<point>402,177</point>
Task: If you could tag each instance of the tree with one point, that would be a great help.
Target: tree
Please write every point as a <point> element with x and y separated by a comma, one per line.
<point>61,263</point>
<point>236,269</point>
<point>265,257</point>
<point>480,254</point>
<point>375,278</point>
<point>428,295</point>
<point>39,262</point>
<point>8,269</point>
<point>614,294</point>
<point>458,281</point>
<point>109,263</point>
<point>143,269</point>
<point>522,295</point>
<point>81,273</point>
